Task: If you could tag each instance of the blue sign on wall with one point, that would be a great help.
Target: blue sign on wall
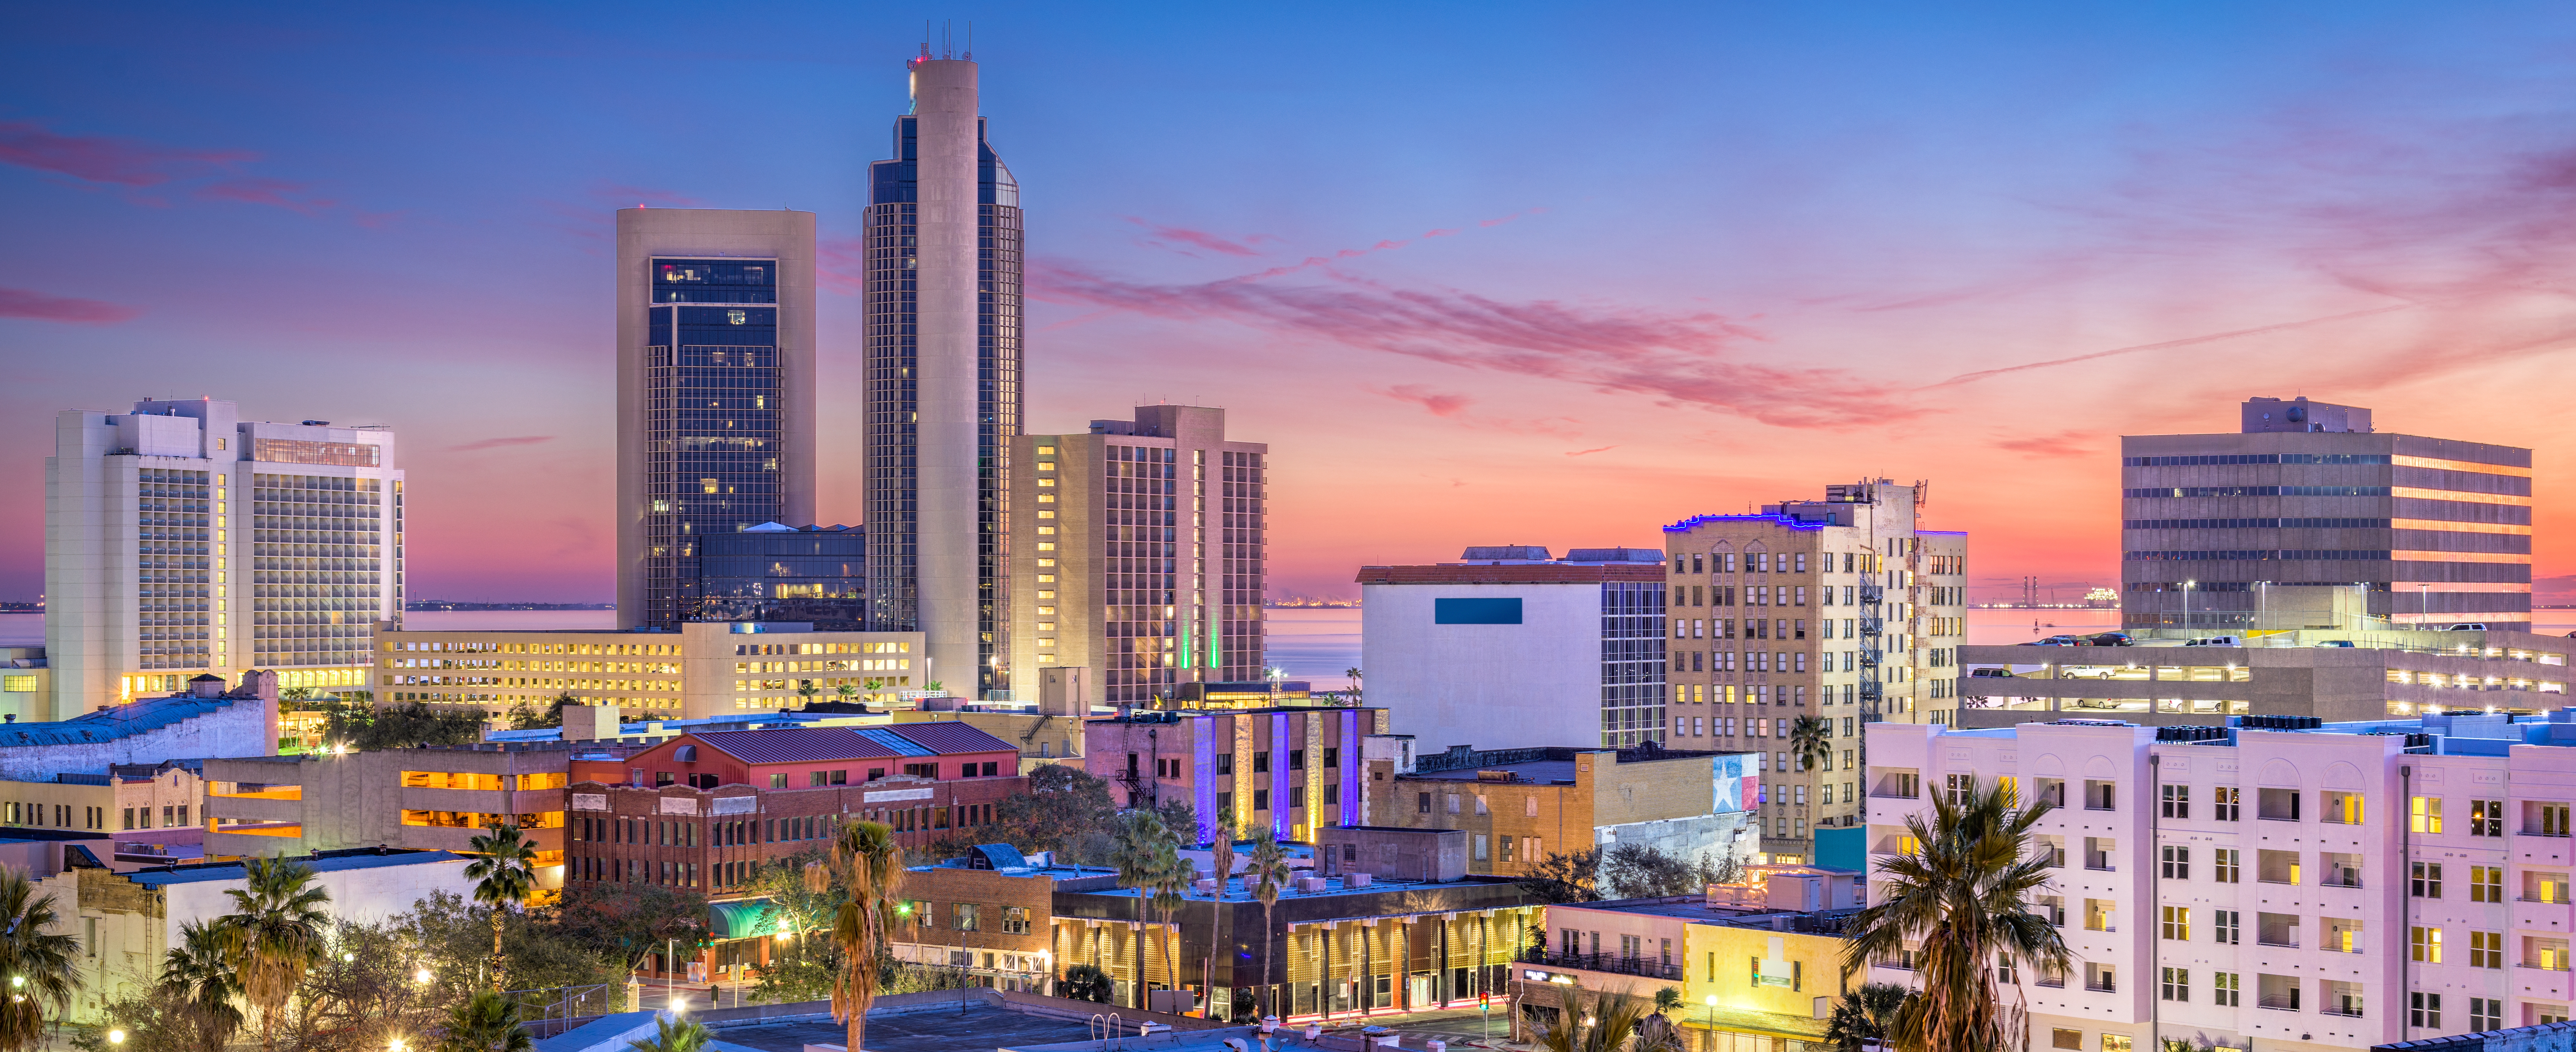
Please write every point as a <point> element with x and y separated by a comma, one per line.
<point>1475,611</point>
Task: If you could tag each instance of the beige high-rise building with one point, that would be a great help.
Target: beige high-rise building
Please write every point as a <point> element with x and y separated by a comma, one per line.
<point>181,540</point>
<point>715,391</point>
<point>1842,610</point>
<point>1141,555</point>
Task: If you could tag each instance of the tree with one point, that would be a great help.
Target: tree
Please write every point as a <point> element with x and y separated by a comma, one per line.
<point>801,968</point>
<point>1811,741</point>
<point>545,948</point>
<point>1596,1024</point>
<point>1354,674</point>
<point>805,690</point>
<point>1221,853</point>
<point>1085,982</point>
<point>406,726</point>
<point>198,976</point>
<point>1063,809</point>
<point>487,1022</point>
<point>675,1035</point>
<point>1183,820</point>
<point>1144,858</point>
<point>871,868</point>
<point>1864,1014</point>
<point>273,935</point>
<point>527,719</point>
<point>1636,871</point>
<point>1265,874</point>
<point>849,692</point>
<point>1667,999</point>
<point>504,871</point>
<point>623,922</point>
<point>42,969</point>
<point>1564,879</point>
<point>1961,896</point>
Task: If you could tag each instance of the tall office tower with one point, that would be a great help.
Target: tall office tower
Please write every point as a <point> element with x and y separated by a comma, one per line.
<point>2307,518</point>
<point>715,392</point>
<point>1845,610</point>
<point>182,541</point>
<point>943,381</point>
<point>1141,554</point>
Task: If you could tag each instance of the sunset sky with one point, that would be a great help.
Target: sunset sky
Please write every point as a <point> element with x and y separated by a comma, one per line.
<point>1478,273</point>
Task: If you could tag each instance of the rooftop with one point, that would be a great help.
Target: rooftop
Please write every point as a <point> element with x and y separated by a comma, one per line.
<point>1234,890</point>
<point>827,744</point>
<point>1513,573</point>
<point>2446,734</point>
<point>116,721</point>
<point>1544,764</point>
<point>321,861</point>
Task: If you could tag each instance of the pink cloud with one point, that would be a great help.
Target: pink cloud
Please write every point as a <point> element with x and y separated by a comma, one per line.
<point>841,264</point>
<point>20,303</point>
<point>2068,443</point>
<point>1201,239</point>
<point>1674,358</point>
<point>1500,220</point>
<point>99,159</point>
<point>500,443</point>
<point>1589,452</point>
<point>260,191</point>
<point>1439,404</point>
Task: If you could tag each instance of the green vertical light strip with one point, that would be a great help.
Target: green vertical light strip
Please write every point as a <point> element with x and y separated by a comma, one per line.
<point>1216,657</point>
<point>1189,651</point>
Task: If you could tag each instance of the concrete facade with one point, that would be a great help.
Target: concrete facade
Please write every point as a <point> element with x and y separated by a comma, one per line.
<point>703,669</point>
<point>1517,653</point>
<point>1749,978</point>
<point>2383,674</point>
<point>1290,771</point>
<point>768,474</point>
<point>1140,554</point>
<point>2306,495</point>
<point>2333,887</point>
<point>424,799</point>
<point>182,540</point>
<point>206,720</point>
<point>1519,806</point>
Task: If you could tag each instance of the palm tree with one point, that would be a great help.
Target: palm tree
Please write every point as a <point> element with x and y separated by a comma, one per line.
<point>41,968</point>
<point>197,972</point>
<point>871,866</point>
<point>504,872</point>
<point>806,689</point>
<point>1354,675</point>
<point>274,935</point>
<point>674,1035</point>
<point>1169,885</point>
<point>1602,1024</point>
<point>1221,852</point>
<point>1144,853</point>
<point>1264,874</point>
<point>1085,982</point>
<point>1864,1015</point>
<point>849,692</point>
<point>1811,741</point>
<point>1962,897</point>
<point>488,1022</point>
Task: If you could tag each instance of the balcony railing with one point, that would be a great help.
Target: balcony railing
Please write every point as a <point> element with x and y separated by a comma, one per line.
<point>1645,967</point>
<point>2553,965</point>
<point>2345,879</point>
<point>2559,899</point>
<point>2054,983</point>
<point>2349,1007</point>
<point>2278,1002</point>
<point>2102,985</point>
<point>2285,941</point>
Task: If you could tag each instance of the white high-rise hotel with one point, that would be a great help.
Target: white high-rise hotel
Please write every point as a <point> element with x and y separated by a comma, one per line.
<point>181,540</point>
<point>2312,886</point>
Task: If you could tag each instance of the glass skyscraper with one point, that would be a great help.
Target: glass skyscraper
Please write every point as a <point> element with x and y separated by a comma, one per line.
<point>939,515</point>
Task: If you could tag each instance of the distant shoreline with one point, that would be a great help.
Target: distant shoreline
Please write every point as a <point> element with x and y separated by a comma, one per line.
<point>453,605</point>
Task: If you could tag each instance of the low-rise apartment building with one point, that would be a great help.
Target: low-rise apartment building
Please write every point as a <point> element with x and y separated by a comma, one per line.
<point>436,798</point>
<point>1519,806</point>
<point>705,668</point>
<point>1290,770</point>
<point>989,915</point>
<point>146,803</point>
<point>2281,881</point>
<point>2335,675</point>
<point>1750,976</point>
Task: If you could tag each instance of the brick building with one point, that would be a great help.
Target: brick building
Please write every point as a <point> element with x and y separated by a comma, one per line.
<point>990,914</point>
<point>1290,769</point>
<point>1519,806</point>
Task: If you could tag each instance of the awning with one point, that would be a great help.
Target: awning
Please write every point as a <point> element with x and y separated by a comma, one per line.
<point>746,919</point>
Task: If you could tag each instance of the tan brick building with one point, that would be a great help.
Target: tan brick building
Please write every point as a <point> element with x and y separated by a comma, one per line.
<point>1842,609</point>
<point>1521,805</point>
<point>990,914</point>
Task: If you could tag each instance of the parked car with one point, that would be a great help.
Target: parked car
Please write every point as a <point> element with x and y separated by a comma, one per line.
<point>2216,641</point>
<point>2468,626</point>
<point>2004,673</point>
<point>2057,641</point>
<point>2110,639</point>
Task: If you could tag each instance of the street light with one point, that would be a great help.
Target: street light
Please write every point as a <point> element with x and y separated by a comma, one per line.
<point>422,977</point>
<point>1712,1017</point>
<point>116,1037</point>
<point>2186,604</point>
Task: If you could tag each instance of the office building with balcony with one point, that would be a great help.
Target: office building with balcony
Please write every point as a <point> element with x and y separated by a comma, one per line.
<point>182,540</point>
<point>2336,675</point>
<point>1843,610</point>
<point>1758,963</point>
<point>2220,532</point>
<point>1139,554</point>
<point>1518,806</point>
<point>1289,770</point>
<point>715,392</point>
<point>698,670</point>
<point>2278,883</point>
<point>1512,648</point>
<point>943,365</point>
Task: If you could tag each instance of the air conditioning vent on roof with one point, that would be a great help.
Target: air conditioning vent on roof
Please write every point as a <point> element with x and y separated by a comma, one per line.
<point>685,754</point>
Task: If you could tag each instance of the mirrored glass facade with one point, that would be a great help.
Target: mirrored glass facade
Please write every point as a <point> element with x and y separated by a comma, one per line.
<point>714,405</point>
<point>816,575</point>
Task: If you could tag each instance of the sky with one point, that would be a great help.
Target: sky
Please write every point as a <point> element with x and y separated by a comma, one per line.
<point>1478,273</point>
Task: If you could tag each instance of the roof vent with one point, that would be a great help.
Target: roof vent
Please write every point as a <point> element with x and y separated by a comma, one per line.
<point>685,754</point>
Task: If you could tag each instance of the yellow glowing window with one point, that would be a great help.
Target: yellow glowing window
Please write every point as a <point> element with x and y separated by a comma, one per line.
<point>450,780</point>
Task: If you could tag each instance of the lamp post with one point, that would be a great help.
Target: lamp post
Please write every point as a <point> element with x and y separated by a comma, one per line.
<point>1710,1038</point>
<point>2186,604</point>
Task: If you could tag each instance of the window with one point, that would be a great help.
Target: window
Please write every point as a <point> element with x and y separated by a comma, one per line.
<point>2226,990</point>
<point>2115,1043</point>
<point>2224,928</point>
<point>2227,803</point>
<point>2100,796</point>
<point>1422,803</point>
<point>2277,805</point>
<point>2424,814</point>
<point>1333,757</point>
<point>2424,1010</point>
<point>2226,862</point>
<point>2175,924</point>
<point>2101,978</point>
<point>2486,883</point>
<point>2428,881</point>
<point>2486,818</point>
<point>2544,819</point>
<point>778,781</point>
<point>1955,792</point>
<point>1015,920</point>
<point>1261,801</point>
<point>965,917</point>
<point>2176,862</point>
<point>2101,915</point>
<point>2176,801</point>
<point>1261,763</point>
<point>2424,944</point>
<point>2175,985</point>
<point>1296,759</point>
<point>2486,1013</point>
<point>2486,949</point>
<point>2060,1037</point>
<point>2343,809</point>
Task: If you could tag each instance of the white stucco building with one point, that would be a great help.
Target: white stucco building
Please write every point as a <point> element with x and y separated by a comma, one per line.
<point>1512,649</point>
<point>182,540</point>
<point>2287,885</point>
